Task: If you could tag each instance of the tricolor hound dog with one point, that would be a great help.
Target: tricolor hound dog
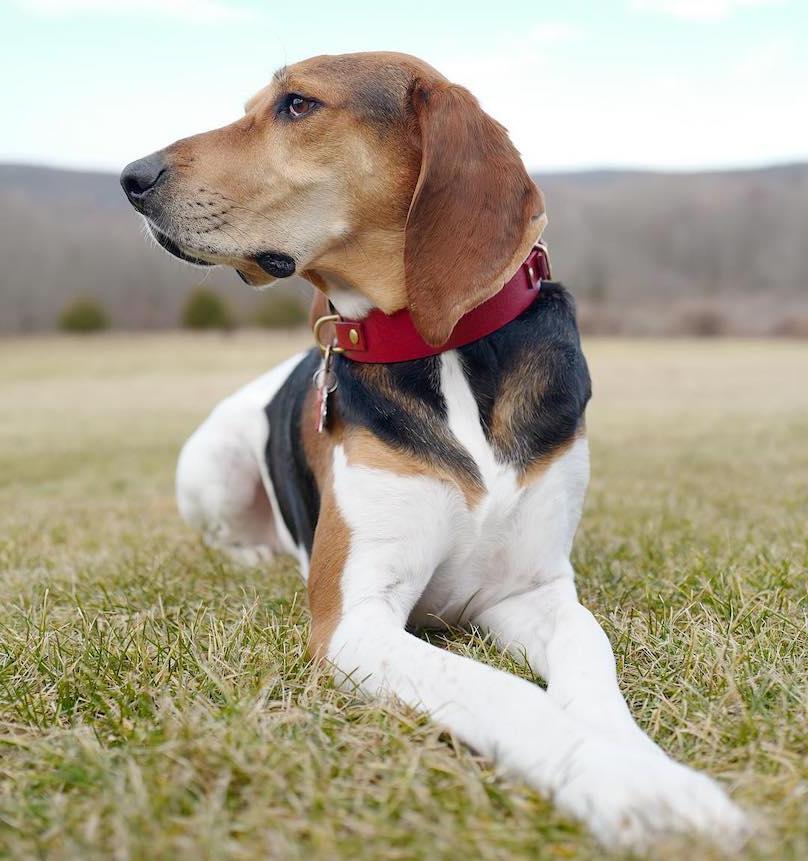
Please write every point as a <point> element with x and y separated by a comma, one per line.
<point>447,482</point>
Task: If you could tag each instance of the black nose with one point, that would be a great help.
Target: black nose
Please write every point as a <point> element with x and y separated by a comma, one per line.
<point>141,176</point>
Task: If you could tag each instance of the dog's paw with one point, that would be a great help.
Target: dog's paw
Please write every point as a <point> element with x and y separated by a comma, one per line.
<point>243,556</point>
<point>632,801</point>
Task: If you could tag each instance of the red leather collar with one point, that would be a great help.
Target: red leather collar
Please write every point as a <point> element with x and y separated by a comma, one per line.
<point>393,338</point>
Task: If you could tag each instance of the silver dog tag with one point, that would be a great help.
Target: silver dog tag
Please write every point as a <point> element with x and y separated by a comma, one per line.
<point>325,382</point>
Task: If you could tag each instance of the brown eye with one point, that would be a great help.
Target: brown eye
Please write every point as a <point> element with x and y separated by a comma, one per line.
<point>297,106</point>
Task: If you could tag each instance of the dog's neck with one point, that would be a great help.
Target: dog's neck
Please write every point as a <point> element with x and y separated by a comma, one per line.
<point>363,271</point>
<point>347,299</point>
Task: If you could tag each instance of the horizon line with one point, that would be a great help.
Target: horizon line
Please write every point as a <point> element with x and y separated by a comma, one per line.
<point>752,167</point>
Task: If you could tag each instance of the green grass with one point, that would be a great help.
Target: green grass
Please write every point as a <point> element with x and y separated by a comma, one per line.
<point>156,702</point>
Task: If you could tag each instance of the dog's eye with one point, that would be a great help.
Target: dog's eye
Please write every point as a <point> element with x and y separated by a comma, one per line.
<point>296,106</point>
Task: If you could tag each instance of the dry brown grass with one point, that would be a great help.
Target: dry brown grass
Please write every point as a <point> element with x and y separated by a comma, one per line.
<point>156,703</point>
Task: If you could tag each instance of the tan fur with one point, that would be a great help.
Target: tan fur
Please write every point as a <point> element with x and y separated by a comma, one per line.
<point>328,557</point>
<point>517,398</point>
<point>537,468</point>
<point>332,538</point>
<point>362,448</point>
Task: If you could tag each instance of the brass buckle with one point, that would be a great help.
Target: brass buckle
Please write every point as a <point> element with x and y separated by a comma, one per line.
<point>329,318</point>
<point>538,264</point>
<point>546,251</point>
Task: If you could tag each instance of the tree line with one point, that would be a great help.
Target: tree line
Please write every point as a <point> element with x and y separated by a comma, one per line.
<point>643,253</point>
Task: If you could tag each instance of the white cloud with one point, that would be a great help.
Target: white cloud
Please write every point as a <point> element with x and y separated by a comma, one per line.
<point>190,10</point>
<point>699,10</point>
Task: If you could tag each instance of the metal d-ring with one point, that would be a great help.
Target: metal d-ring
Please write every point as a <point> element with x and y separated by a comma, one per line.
<point>329,318</point>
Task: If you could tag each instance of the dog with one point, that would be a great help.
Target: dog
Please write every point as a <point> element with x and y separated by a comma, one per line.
<point>423,478</point>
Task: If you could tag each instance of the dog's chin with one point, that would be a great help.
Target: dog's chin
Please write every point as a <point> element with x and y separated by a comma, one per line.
<point>167,243</point>
<point>259,270</point>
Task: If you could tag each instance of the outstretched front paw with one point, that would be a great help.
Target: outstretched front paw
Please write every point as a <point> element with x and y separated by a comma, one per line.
<point>632,800</point>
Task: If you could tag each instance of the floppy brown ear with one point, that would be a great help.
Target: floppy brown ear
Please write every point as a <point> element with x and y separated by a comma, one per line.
<point>474,215</point>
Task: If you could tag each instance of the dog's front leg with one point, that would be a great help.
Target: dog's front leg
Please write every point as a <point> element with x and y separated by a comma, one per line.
<point>379,539</point>
<point>366,575</point>
<point>626,796</point>
<point>499,715</point>
<point>561,641</point>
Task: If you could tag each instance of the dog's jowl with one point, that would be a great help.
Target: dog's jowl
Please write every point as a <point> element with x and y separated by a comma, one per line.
<point>427,460</point>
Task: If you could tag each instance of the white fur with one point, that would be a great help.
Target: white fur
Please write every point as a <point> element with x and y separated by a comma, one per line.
<point>222,477</point>
<point>418,552</point>
<point>350,303</point>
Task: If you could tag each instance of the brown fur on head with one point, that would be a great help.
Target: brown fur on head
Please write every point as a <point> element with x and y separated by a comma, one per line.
<point>392,189</point>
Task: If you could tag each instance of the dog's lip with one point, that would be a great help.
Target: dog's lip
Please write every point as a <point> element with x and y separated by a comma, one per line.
<point>171,247</point>
<point>276,263</point>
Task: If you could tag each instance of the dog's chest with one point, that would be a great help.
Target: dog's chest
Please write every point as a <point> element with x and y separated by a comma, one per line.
<point>517,528</point>
<point>502,491</point>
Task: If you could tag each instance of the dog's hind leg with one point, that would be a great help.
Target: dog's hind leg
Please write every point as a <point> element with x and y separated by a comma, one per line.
<point>222,486</point>
<point>220,492</point>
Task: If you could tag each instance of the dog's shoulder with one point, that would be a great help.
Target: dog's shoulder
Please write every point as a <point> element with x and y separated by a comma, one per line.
<point>531,381</point>
<point>394,417</point>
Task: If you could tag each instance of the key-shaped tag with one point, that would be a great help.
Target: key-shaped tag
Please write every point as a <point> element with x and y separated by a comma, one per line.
<point>325,381</point>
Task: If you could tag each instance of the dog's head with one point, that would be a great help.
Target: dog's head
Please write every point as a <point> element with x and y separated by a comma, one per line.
<point>368,174</point>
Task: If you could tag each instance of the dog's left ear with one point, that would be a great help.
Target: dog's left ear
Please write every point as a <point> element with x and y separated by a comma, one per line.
<point>475,212</point>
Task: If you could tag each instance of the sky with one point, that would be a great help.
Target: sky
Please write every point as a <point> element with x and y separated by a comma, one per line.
<point>660,84</point>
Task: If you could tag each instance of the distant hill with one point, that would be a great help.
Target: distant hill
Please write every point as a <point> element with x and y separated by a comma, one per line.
<point>661,252</point>
<point>642,252</point>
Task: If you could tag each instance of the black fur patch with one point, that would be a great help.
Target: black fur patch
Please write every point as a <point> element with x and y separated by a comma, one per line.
<point>538,361</point>
<point>401,403</point>
<point>292,479</point>
<point>530,381</point>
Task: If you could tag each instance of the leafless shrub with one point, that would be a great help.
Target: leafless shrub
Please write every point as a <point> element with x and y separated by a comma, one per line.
<point>205,309</point>
<point>791,326</point>
<point>83,315</point>
<point>701,320</point>
<point>280,311</point>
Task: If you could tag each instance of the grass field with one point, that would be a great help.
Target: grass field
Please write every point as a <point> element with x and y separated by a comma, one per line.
<point>156,702</point>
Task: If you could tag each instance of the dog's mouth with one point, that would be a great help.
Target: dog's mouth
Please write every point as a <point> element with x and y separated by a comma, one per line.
<point>274,263</point>
<point>171,247</point>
